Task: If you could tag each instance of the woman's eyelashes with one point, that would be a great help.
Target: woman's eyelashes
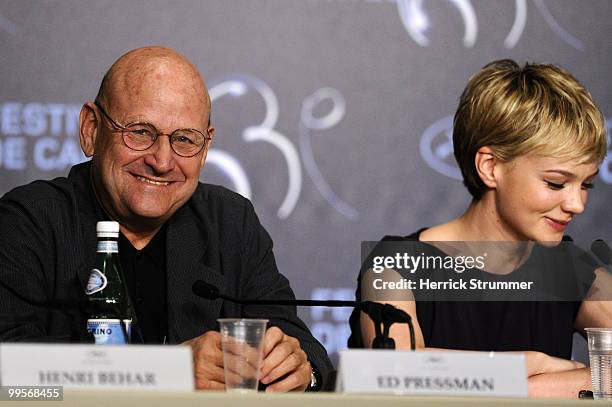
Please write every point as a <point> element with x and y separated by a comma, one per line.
<point>555,185</point>
<point>588,185</point>
<point>558,186</point>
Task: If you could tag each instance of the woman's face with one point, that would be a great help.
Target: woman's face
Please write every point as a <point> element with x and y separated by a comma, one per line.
<point>536,197</point>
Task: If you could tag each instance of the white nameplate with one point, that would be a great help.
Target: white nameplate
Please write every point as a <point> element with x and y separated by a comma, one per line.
<point>97,366</point>
<point>434,373</point>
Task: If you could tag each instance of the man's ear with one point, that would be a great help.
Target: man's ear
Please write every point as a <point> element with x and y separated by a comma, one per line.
<point>485,162</point>
<point>211,133</point>
<point>88,128</point>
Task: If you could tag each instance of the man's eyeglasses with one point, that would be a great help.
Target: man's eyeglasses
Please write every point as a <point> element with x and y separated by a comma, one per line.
<point>141,136</point>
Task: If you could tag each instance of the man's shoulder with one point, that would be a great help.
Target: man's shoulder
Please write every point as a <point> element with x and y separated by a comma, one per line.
<point>40,208</point>
<point>212,194</point>
<point>57,191</point>
<point>218,205</point>
<point>40,191</point>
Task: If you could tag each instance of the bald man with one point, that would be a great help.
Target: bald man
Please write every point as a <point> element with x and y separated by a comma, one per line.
<point>147,133</point>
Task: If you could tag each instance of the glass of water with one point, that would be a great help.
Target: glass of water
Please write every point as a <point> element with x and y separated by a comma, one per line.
<point>600,356</point>
<point>242,343</point>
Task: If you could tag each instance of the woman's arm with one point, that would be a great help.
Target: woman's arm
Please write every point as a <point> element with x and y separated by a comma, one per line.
<point>565,384</point>
<point>538,363</point>
<point>548,375</point>
<point>596,309</point>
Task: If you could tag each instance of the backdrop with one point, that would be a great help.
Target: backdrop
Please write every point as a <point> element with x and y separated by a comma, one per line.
<point>333,116</point>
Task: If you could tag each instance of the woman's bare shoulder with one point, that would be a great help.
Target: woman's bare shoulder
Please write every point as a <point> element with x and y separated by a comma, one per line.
<point>448,232</point>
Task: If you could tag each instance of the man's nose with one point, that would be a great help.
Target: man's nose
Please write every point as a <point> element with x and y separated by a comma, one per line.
<point>161,158</point>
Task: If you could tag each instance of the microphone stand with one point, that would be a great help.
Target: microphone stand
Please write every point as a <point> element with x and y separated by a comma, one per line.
<point>383,315</point>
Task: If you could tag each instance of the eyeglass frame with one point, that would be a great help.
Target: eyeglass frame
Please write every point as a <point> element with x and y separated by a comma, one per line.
<point>123,129</point>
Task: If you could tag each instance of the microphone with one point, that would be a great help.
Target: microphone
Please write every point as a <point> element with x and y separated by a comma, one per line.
<point>387,314</point>
<point>382,314</point>
<point>602,251</point>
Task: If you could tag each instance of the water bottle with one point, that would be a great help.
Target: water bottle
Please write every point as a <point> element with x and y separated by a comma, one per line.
<point>107,292</point>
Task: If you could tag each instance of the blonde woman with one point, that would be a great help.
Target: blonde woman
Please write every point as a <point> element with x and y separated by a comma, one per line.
<point>529,141</point>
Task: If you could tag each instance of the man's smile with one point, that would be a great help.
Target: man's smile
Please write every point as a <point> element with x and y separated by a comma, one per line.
<point>151,181</point>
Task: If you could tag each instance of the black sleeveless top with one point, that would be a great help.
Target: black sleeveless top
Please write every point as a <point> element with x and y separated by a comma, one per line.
<point>545,326</point>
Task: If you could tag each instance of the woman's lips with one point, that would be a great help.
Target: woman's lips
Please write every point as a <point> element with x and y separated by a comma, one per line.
<point>557,225</point>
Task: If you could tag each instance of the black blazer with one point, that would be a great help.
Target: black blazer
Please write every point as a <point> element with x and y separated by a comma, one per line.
<point>48,245</point>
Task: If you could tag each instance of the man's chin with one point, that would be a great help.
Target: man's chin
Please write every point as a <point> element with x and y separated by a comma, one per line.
<point>151,214</point>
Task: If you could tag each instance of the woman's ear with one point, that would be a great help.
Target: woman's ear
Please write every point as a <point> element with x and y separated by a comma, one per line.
<point>485,162</point>
<point>88,128</point>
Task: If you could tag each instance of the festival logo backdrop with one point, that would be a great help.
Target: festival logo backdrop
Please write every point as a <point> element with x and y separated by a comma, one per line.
<point>333,116</point>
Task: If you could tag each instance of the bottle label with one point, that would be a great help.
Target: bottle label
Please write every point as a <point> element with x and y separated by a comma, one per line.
<point>108,246</point>
<point>97,282</point>
<point>109,331</point>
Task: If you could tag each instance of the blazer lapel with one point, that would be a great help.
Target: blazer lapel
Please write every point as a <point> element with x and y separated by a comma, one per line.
<point>89,213</point>
<point>186,254</point>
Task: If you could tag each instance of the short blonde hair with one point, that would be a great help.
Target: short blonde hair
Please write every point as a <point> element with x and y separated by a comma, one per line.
<point>515,110</point>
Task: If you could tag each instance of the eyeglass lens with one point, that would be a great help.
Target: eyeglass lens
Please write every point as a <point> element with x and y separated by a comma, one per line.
<point>184,142</point>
